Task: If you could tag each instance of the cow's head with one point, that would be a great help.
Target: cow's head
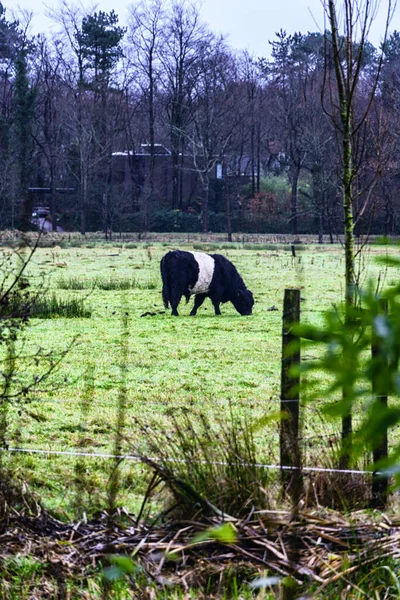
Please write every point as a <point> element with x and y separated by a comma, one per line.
<point>243,302</point>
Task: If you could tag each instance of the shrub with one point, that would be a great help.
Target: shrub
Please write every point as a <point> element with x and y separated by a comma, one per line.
<point>163,220</point>
<point>217,222</point>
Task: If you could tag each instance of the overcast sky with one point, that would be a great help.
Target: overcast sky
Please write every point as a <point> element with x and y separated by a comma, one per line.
<point>246,24</point>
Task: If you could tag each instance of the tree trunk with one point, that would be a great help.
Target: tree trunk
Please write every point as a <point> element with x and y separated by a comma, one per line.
<point>175,178</point>
<point>258,158</point>
<point>252,151</point>
<point>105,213</point>
<point>319,201</point>
<point>295,174</point>
<point>53,195</point>
<point>347,392</point>
<point>206,193</point>
<point>344,80</point>
<point>151,124</point>
<point>83,192</point>
<point>228,214</point>
<point>180,175</point>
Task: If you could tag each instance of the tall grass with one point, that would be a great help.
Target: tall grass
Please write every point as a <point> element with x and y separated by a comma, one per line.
<point>111,284</point>
<point>48,307</point>
<point>106,283</point>
<point>207,465</point>
<point>73,283</point>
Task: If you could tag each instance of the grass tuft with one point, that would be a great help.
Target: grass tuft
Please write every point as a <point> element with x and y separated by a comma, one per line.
<point>206,464</point>
<point>49,307</point>
<point>111,284</point>
<point>73,283</point>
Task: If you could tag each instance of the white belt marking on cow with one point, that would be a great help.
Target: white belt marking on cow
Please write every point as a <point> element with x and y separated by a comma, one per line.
<point>206,271</point>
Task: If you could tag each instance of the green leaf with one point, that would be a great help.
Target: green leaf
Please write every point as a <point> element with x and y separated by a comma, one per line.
<point>262,422</point>
<point>121,566</point>
<point>225,533</point>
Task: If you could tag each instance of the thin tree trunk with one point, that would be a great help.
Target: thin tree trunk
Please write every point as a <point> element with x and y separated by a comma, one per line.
<point>252,151</point>
<point>175,178</point>
<point>105,214</point>
<point>206,193</point>
<point>180,175</point>
<point>319,201</point>
<point>228,214</point>
<point>295,182</point>
<point>347,392</point>
<point>343,86</point>
<point>83,192</point>
<point>258,158</point>
<point>53,195</point>
<point>151,124</point>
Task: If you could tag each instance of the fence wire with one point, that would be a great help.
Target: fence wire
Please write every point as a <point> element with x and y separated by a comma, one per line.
<point>138,458</point>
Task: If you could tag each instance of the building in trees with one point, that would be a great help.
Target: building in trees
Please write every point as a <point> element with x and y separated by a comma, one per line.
<point>132,171</point>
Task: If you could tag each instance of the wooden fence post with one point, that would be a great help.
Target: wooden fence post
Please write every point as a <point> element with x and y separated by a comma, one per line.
<point>292,479</point>
<point>380,452</point>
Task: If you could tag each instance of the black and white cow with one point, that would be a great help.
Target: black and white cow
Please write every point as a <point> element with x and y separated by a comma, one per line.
<point>199,274</point>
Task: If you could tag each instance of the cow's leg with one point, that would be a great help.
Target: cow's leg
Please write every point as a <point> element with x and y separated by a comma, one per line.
<point>174,301</point>
<point>198,301</point>
<point>216,304</point>
<point>176,295</point>
<point>174,311</point>
<point>215,298</point>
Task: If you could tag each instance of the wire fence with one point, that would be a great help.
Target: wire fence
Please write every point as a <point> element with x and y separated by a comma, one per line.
<point>141,459</point>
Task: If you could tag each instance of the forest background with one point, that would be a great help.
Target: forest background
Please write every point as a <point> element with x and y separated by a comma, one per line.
<point>161,126</point>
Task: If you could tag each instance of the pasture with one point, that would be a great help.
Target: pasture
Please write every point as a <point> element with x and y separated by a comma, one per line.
<point>215,365</point>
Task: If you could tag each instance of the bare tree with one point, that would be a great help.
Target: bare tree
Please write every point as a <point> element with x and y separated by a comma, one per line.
<point>49,134</point>
<point>147,21</point>
<point>184,35</point>
<point>251,80</point>
<point>346,51</point>
<point>89,49</point>
<point>291,74</point>
<point>213,114</point>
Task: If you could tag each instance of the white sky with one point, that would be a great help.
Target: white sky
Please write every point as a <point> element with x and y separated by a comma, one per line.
<point>246,24</point>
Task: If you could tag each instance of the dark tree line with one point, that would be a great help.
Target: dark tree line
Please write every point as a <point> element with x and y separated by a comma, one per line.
<point>249,142</point>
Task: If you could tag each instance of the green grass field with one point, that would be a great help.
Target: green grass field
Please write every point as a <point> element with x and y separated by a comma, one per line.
<point>205,363</point>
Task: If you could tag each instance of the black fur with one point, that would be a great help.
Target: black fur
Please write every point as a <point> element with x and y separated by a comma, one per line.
<point>180,271</point>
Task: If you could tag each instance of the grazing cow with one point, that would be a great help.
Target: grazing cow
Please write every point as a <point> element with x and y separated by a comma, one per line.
<point>199,274</point>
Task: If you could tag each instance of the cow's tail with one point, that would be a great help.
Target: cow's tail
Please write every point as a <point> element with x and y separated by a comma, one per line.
<point>165,282</point>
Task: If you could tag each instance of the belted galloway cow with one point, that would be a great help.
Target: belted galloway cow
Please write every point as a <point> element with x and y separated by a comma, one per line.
<point>203,275</point>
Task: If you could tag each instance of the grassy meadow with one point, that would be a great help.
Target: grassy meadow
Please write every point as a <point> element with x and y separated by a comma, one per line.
<point>214,365</point>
